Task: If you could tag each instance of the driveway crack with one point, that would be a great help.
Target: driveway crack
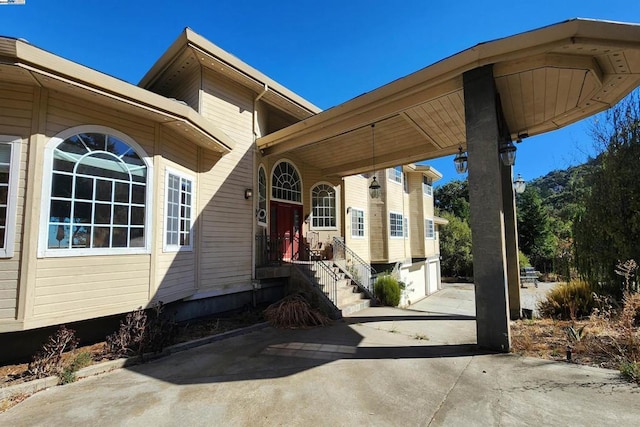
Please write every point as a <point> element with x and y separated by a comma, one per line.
<point>446,396</point>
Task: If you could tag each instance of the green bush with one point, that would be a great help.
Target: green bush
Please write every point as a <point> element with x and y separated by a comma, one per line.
<point>387,290</point>
<point>630,371</point>
<point>523,259</point>
<point>568,301</point>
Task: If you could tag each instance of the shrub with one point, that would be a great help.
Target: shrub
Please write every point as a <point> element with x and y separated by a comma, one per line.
<point>48,361</point>
<point>630,371</point>
<point>81,360</point>
<point>141,332</point>
<point>523,260</point>
<point>387,290</point>
<point>568,301</point>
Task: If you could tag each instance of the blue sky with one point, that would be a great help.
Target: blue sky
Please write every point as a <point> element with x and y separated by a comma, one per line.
<point>328,52</point>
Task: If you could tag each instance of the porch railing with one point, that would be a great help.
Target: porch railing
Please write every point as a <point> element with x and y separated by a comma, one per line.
<point>273,250</point>
<point>323,276</point>
<point>360,271</point>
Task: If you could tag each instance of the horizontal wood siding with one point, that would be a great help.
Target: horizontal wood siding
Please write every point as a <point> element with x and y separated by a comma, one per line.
<point>225,218</point>
<point>75,288</point>
<point>416,209</point>
<point>356,195</point>
<point>175,271</point>
<point>395,203</point>
<point>16,111</point>
<point>65,111</point>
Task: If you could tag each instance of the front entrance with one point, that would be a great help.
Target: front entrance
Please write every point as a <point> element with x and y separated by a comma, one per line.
<point>286,230</point>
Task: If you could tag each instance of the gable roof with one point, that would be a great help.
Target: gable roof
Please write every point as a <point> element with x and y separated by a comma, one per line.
<point>22,62</point>
<point>191,46</point>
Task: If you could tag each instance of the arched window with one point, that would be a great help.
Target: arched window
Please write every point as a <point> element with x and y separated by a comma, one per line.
<point>323,201</point>
<point>285,183</point>
<point>262,195</point>
<point>97,195</point>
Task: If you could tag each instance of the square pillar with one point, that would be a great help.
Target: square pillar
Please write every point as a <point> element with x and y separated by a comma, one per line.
<point>486,219</point>
<point>511,241</point>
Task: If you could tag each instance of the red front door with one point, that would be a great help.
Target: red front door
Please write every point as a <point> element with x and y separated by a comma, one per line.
<point>286,226</point>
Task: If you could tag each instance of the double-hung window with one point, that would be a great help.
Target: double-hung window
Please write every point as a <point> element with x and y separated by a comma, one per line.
<point>427,186</point>
<point>323,201</point>
<point>179,209</point>
<point>396,223</point>
<point>9,171</point>
<point>357,222</point>
<point>429,229</point>
<point>395,174</point>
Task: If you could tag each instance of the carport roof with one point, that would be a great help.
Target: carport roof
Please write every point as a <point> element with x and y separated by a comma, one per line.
<point>546,78</point>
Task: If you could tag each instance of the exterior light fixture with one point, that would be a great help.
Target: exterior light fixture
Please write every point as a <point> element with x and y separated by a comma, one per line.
<point>248,193</point>
<point>519,185</point>
<point>460,161</point>
<point>374,188</point>
<point>508,153</point>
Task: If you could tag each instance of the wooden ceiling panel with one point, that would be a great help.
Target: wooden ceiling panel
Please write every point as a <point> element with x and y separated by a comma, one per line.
<point>442,119</point>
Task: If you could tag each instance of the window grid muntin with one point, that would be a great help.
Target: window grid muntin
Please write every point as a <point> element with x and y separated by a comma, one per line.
<point>179,212</point>
<point>323,201</point>
<point>427,186</point>
<point>395,174</point>
<point>119,233</point>
<point>286,184</point>
<point>396,224</point>
<point>429,229</point>
<point>357,222</point>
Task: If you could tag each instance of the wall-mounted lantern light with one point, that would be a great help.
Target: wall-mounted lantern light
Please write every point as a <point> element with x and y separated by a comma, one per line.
<point>248,193</point>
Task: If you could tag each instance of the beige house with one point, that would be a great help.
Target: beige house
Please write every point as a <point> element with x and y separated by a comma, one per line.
<point>397,232</point>
<point>114,196</point>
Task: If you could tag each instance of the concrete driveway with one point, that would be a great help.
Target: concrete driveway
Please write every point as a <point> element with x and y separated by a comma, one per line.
<point>384,366</point>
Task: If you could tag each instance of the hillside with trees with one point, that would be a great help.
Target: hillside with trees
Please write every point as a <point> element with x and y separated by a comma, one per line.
<point>578,222</point>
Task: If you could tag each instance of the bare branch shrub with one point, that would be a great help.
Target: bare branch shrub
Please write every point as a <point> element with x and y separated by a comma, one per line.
<point>48,361</point>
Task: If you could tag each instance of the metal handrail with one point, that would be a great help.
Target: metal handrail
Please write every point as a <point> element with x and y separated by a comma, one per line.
<point>324,278</point>
<point>360,271</point>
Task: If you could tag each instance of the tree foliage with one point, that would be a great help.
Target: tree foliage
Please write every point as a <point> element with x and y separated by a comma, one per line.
<point>455,247</point>
<point>607,229</point>
<point>453,197</point>
<point>535,236</point>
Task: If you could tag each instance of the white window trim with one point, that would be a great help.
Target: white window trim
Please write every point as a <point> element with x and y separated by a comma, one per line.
<point>270,180</point>
<point>15,143</point>
<point>335,210</point>
<point>364,224</point>
<point>392,173</point>
<point>425,186</point>
<point>401,236</point>
<point>43,250</point>
<point>405,227</point>
<point>266,197</point>
<point>177,248</point>
<point>433,226</point>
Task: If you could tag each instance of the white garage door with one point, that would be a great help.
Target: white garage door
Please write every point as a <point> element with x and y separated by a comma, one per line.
<point>434,278</point>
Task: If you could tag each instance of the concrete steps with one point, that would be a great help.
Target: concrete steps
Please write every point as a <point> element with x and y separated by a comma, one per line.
<point>350,299</point>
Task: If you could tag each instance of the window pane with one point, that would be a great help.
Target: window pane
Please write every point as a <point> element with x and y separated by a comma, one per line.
<point>103,190</point>
<point>137,194</point>
<point>58,236</point>
<point>100,237</point>
<point>137,237</point>
<point>3,218</point>
<point>137,216</point>
<point>84,188</point>
<point>80,237</point>
<point>4,194</point>
<point>122,192</point>
<point>102,214</point>
<point>60,210</point>
<point>121,215</point>
<point>61,185</point>
<point>119,237</point>
<point>82,212</point>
